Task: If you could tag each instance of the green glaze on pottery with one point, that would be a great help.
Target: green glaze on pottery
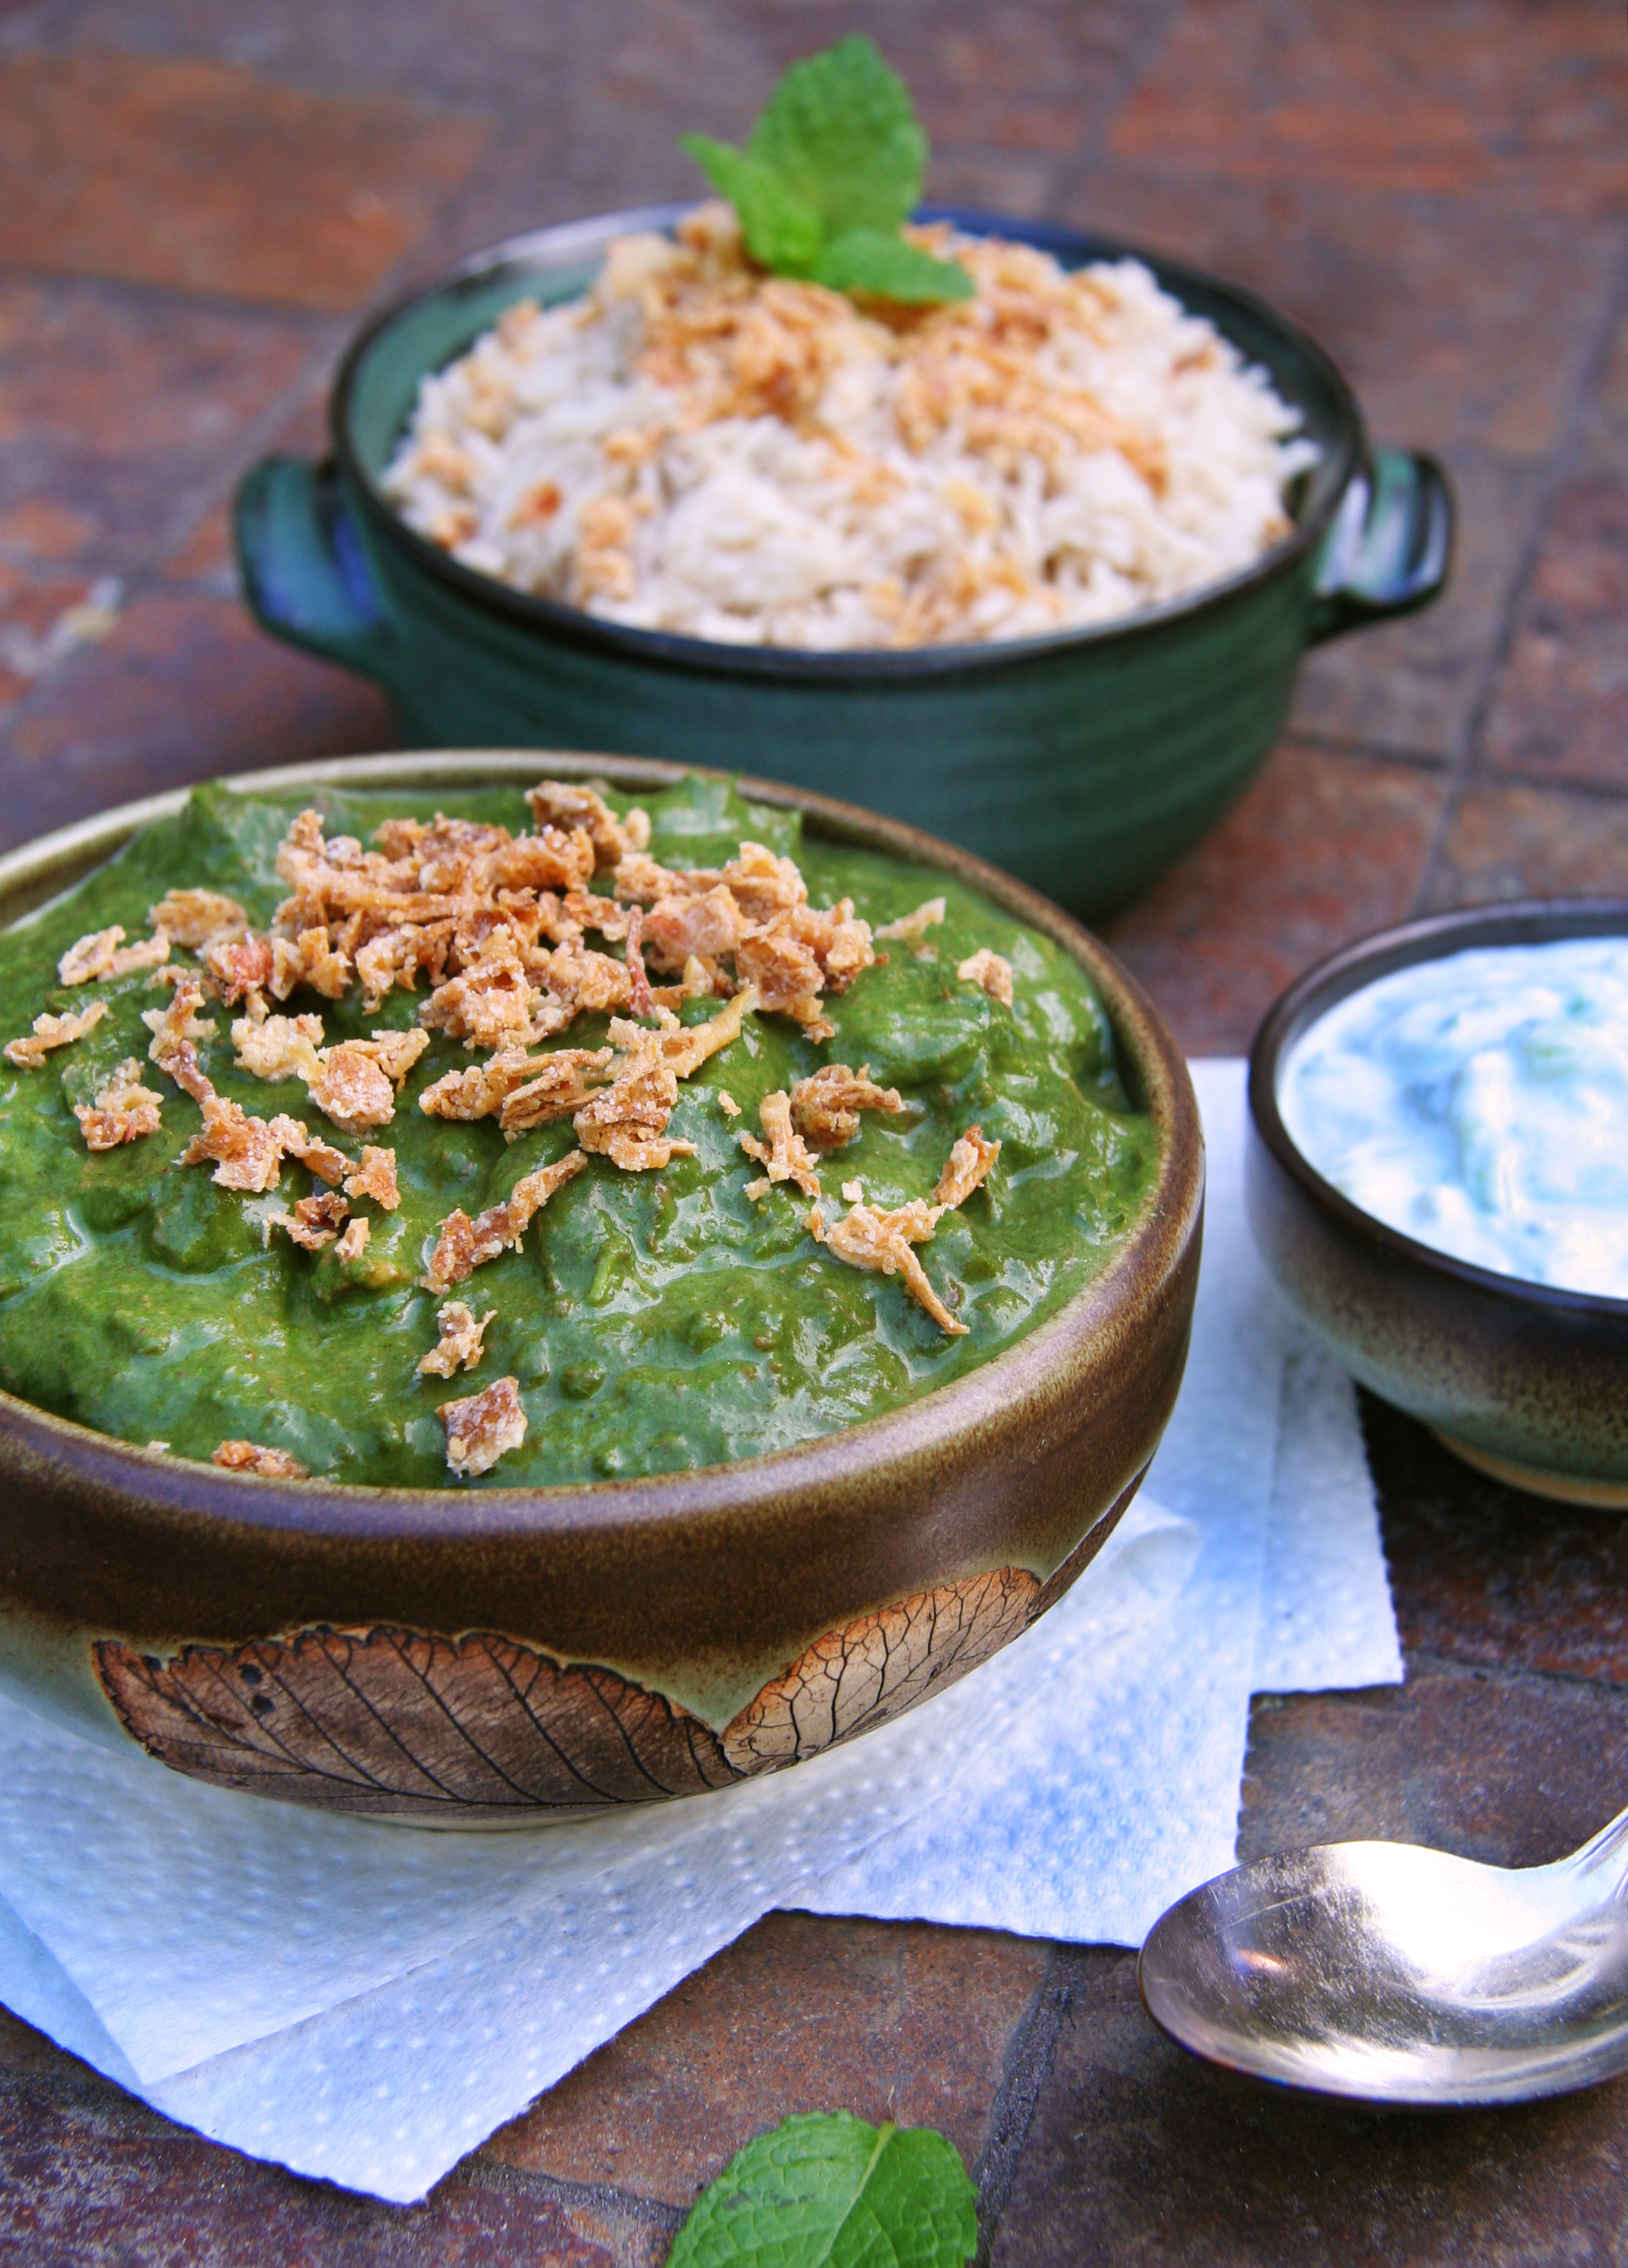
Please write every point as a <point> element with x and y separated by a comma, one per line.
<point>1083,761</point>
<point>656,1321</point>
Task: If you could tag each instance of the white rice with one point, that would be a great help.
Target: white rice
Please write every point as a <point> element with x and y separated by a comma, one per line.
<point>842,523</point>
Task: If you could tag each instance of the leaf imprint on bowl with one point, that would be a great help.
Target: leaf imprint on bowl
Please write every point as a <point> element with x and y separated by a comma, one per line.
<point>396,1722</point>
<point>387,1721</point>
<point>878,1666</point>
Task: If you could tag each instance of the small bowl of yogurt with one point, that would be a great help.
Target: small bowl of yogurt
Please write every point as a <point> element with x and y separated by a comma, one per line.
<point>1438,1178</point>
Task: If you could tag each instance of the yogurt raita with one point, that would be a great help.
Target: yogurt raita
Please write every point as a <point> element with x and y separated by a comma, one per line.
<point>1479,1104</point>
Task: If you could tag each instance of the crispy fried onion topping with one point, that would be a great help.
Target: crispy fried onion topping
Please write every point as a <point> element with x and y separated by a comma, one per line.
<point>825,1108</point>
<point>353,1243</point>
<point>123,1109</point>
<point>251,1457</point>
<point>49,1032</point>
<point>783,1153</point>
<point>354,1083</point>
<point>196,917</point>
<point>497,923</point>
<point>463,1245</point>
<point>618,1097</point>
<point>376,1177</point>
<point>462,1342</point>
<point>966,1168</point>
<point>483,1427</point>
<point>245,1153</point>
<point>990,970</point>
<point>325,1162</point>
<point>563,804</point>
<point>868,1238</point>
<point>911,929</point>
<point>103,953</point>
<point>313,1222</point>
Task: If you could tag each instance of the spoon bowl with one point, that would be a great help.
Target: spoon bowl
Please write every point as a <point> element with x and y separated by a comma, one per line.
<point>1388,1973</point>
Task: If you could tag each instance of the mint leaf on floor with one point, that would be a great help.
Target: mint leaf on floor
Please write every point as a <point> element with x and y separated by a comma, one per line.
<point>828,2192</point>
<point>829,177</point>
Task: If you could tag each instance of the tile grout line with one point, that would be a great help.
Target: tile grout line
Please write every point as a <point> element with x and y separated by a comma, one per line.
<point>1028,2067</point>
<point>1463,766</point>
<point>1509,1673</point>
<point>1340,744</point>
<point>206,299</point>
<point>480,2172</point>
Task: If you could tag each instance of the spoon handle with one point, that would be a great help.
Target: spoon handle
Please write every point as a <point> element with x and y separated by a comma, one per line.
<point>1606,1853</point>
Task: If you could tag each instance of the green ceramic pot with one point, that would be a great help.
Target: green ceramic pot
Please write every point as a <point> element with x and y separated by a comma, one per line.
<point>1524,1380</point>
<point>519,1655</point>
<point>1084,761</point>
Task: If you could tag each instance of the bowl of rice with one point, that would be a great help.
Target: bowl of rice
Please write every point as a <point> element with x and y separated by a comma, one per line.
<point>1035,568</point>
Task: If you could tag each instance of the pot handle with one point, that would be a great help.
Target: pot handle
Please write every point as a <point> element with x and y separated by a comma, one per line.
<point>304,574</point>
<point>1389,549</point>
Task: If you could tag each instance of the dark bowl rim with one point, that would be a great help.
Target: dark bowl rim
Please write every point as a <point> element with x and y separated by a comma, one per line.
<point>1523,921</point>
<point>33,1437</point>
<point>866,665</point>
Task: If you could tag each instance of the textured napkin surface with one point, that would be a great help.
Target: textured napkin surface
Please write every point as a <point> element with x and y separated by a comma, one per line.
<point>366,2002</point>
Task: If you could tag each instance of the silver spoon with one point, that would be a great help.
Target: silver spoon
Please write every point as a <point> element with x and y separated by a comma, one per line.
<point>1393,1974</point>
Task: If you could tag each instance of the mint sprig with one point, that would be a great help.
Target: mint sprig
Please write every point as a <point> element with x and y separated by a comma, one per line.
<point>829,175</point>
<point>828,2192</point>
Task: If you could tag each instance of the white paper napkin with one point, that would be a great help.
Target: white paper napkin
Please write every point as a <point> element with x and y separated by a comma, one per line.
<point>366,2002</point>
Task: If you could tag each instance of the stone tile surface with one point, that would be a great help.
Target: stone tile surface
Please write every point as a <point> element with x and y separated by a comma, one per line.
<point>208,179</point>
<point>887,2020</point>
<point>1489,1575</point>
<point>130,404</point>
<point>82,2185</point>
<point>1515,842</point>
<point>185,688</point>
<point>1142,2157</point>
<point>202,556</point>
<point>1512,105</point>
<point>1415,687</point>
<point>40,615</point>
<point>1138,2153</point>
<point>1322,848</point>
<point>1562,711</point>
<point>1512,1770</point>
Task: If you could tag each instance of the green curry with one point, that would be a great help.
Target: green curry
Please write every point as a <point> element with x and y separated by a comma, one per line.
<point>654,1320</point>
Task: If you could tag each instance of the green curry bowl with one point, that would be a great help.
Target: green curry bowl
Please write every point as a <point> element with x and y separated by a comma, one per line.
<point>500,1655</point>
<point>1084,761</point>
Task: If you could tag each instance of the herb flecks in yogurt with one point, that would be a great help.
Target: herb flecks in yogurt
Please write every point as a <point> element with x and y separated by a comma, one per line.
<point>639,1312</point>
<point>1479,1104</point>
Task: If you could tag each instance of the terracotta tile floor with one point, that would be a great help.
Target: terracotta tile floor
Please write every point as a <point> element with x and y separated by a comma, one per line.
<point>197,202</point>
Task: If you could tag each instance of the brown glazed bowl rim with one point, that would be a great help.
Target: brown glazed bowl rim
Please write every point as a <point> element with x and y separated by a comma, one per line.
<point>1525,921</point>
<point>943,1417</point>
<point>1329,479</point>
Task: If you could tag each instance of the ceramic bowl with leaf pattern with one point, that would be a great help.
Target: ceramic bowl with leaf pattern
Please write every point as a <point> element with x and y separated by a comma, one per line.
<point>516,1655</point>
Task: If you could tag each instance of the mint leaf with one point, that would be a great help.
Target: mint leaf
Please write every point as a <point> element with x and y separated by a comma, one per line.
<point>881,267</point>
<point>841,133</point>
<point>781,234</point>
<point>830,174</point>
<point>831,2192</point>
